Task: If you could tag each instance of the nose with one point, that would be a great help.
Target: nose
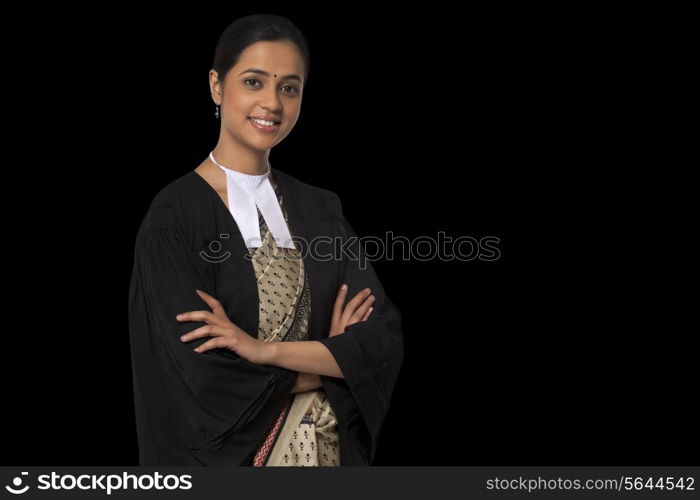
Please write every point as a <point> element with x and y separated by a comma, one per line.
<point>271,100</point>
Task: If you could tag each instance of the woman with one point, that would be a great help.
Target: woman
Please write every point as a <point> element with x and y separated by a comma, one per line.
<point>244,349</point>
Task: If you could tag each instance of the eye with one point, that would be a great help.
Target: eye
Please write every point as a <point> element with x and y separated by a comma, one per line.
<point>292,89</point>
<point>289,89</point>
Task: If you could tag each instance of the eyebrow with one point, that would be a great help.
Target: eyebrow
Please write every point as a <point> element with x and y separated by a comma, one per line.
<point>265,73</point>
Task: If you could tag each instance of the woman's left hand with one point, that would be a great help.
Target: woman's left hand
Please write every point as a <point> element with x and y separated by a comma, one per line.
<point>225,333</point>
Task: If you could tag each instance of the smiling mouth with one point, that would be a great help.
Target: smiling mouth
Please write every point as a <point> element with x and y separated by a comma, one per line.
<point>263,125</point>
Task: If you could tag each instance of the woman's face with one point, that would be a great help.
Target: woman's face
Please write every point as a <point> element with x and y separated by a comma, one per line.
<point>275,95</point>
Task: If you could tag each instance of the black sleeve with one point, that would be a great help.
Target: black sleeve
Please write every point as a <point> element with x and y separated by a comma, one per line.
<point>215,393</point>
<point>369,353</point>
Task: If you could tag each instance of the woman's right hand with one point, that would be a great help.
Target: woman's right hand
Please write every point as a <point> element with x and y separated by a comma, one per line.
<point>358,309</point>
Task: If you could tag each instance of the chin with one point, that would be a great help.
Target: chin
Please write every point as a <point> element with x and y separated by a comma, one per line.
<point>262,145</point>
<point>266,142</point>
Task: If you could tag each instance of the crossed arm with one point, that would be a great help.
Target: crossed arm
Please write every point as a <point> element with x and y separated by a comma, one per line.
<point>307,382</point>
<point>309,357</point>
<point>306,356</point>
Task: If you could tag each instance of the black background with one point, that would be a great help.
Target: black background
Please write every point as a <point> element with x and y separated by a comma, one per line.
<point>565,351</point>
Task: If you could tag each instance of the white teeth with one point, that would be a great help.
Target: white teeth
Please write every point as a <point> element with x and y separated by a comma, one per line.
<point>264,123</point>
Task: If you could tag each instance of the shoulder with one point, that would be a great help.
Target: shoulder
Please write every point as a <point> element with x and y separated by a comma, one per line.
<point>318,200</point>
<point>172,203</point>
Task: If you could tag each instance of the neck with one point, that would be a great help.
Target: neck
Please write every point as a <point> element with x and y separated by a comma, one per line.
<point>241,160</point>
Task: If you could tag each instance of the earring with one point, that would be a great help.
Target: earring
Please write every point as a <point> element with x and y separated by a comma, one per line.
<point>217,112</point>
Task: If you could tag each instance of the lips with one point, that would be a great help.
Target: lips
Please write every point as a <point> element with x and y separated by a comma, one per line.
<point>266,118</point>
<point>263,128</point>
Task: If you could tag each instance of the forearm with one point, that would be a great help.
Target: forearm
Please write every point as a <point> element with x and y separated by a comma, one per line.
<point>307,356</point>
<point>307,382</point>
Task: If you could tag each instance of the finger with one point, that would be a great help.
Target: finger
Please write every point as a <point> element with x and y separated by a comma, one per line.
<point>351,306</point>
<point>354,304</point>
<point>339,302</point>
<point>369,311</point>
<point>202,331</point>
<point>215,305</point>
<point>206,316</point>
<point>362,309</point>
<point>212,344</point>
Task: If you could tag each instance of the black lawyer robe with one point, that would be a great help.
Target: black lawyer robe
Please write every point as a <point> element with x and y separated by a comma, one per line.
<point>215,408</point>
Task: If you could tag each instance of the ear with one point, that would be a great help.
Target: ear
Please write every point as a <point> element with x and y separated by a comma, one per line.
<point>215,86</point>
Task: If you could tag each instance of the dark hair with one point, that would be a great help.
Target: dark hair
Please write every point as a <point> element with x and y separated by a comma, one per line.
<point>246,31</point>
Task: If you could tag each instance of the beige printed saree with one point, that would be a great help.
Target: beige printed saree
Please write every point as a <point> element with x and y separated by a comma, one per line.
<point>305,432</point>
